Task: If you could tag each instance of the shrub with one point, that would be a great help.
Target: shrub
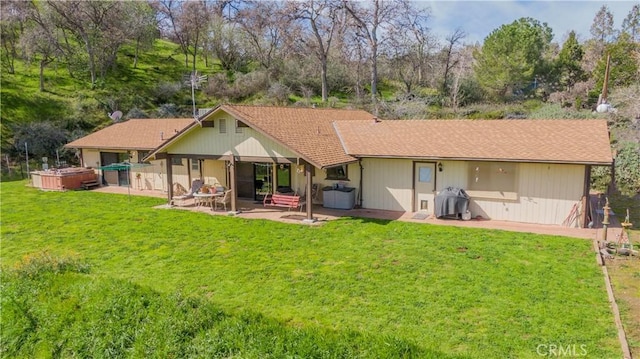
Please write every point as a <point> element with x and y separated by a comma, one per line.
<point>600,178</point>
<point>135,113</point>
<point>166,91</point>
<point>628,168</point>
<point>278,93</point>
<point>168,110</point>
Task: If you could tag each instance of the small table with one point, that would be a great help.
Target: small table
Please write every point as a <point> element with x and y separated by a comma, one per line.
<point>205,198</point>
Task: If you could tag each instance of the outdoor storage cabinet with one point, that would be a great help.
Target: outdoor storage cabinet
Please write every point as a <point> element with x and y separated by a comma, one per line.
<point>340,198</point>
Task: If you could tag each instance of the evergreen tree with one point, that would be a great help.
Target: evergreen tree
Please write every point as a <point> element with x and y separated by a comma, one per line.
<point>568,62</point>
<point>512,56</point>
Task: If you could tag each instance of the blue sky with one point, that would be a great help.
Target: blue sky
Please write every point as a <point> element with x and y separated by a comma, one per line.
<point>479,18</point>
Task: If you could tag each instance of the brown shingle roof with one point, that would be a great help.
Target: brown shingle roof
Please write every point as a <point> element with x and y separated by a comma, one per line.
<point>306,131</point>
<point>561,141</point>
<point>135,134</point>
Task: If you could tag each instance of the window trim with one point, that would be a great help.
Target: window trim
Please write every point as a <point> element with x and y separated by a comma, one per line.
<point>343,177</point>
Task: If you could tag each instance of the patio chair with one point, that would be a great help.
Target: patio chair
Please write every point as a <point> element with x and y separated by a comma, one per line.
<point>223,200</point>
<point>195,187</point>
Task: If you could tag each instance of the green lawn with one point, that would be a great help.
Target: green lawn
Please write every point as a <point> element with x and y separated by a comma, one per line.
<point>175,283</point>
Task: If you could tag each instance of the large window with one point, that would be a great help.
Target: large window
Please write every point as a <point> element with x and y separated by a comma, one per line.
<point>337,173</point>
<point>492,176</point>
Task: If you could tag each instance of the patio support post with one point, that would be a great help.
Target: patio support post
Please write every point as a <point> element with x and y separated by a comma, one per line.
<point>169,169</point>
<point>234,183</point>
<point>307,170</point>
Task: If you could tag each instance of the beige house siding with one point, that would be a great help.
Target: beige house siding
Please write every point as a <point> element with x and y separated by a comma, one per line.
<point>90,157</point>
<point>545,193</point>
<point>387,184</point>
<point>214,171</point>
<point>209,141</point>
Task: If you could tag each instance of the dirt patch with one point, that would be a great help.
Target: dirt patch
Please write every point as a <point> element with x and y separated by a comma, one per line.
<point>625,279</point>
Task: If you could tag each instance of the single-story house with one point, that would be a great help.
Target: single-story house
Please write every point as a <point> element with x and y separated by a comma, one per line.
<point>130,141</point>
<point>534,171</point>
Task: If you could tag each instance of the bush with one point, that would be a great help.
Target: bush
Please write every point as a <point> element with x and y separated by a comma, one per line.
<point>600,178</point>
<point>555,111</point>
<point>487,115</point>
<point>628,168</point>
<point>168,110</point>
<point>278,93</point>
<point>166,91</point>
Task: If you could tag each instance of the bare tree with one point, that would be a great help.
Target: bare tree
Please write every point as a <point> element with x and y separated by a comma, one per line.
<point>602,27</point>
<point>100,26</point>
<point>38,42</point>
<point>13,15</point>
<point>265,25</point>
<point>450,56</point>
<point>322,19</point>
<point>186,22</point>
<point>374,21</point>
<point>408,48</point>
<point>224,42</point>
<point>631,23</point>
<point>144,27</point>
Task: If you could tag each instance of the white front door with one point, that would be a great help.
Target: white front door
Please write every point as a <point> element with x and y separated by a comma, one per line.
<point>424,187</point>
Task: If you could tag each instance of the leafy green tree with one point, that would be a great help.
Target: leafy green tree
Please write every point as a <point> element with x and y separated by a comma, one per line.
<point>623,69</point>
<point>512,56</point>
<point>569,62</point>
<point>42,138</point>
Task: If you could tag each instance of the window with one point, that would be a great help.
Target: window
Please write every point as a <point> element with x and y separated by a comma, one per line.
<point>176,161</point>
<point>240,125</point>
<point>141,155</point>
<point>337,173</point>
<point>492,176</point>
<point>223,125</point>
<point>195,165</point>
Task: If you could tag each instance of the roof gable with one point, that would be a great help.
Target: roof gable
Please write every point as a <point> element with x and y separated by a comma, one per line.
<point>561,141</point>
<point>306,131</point>
<point>134,134</point>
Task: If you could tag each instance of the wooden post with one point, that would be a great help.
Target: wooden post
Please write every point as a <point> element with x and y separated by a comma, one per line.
<point>234,183</point>
<point>307,170</point>
<point>274,177</point>
<point>169,168</point>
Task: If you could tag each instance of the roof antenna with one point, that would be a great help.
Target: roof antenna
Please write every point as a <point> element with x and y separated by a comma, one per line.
<point>195,81</point>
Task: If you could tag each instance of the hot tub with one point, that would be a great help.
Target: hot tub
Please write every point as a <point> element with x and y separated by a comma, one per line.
<point>63,179</point>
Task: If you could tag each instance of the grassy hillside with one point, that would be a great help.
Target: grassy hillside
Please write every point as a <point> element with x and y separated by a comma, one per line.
<point>72,102</point>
